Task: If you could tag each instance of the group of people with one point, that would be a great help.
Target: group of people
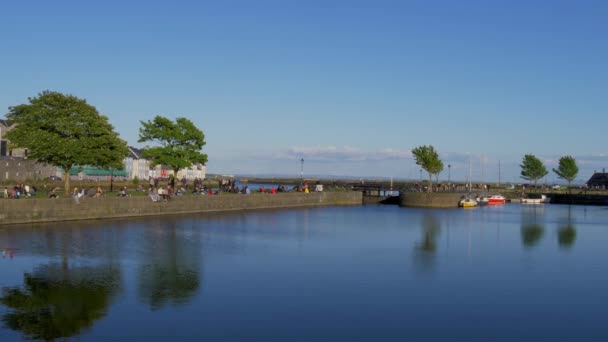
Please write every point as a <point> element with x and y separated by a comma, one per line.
<point>19,190</point>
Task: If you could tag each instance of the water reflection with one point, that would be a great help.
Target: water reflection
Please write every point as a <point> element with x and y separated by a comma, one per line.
<point>566,235</point>
<point>532,228</point>
<point>57,302</point>
<point>169,270</point>
<point>427,247</point>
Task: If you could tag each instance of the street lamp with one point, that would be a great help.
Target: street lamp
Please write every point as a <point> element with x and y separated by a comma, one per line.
<point>111,178</point>
<point>449,172</point>
<point>302,170</point>
<point>420,175</point>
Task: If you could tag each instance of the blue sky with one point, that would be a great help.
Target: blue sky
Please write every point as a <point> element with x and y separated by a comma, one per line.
<point>350,86</point>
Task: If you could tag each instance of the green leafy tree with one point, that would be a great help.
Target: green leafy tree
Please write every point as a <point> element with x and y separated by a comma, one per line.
<point>427,158</point>
<point>64,131</point>
<point>567,169</point>
<point>532,169</point>
<point>180,142</point>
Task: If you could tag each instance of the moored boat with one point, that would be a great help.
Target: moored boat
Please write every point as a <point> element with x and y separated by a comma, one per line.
<point>467,203</point>
<point>535,199</point>
<point>496,199</point>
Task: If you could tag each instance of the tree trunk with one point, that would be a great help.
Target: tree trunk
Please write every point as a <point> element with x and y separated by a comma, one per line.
<point>535,183</point>
<point>66,184</point>
<point>430,182</point>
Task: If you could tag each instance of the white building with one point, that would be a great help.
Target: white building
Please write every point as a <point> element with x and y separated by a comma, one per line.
<point>195,171</point>
<point>136,165</point>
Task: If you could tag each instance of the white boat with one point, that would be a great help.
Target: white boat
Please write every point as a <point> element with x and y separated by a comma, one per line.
<point>535,199</point>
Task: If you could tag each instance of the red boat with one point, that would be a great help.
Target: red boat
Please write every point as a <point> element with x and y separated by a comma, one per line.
<point>496,199</point>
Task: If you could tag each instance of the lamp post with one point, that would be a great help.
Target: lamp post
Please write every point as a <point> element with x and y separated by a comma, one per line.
<point>420,175</point>
<point>111,179</point>
<point>302,170</point>
<point>449,172</point>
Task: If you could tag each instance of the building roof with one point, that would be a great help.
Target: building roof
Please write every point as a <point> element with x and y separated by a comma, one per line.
<point>95,171</point>
<point>598,178</point>
<point>135,153</point>
<point>6,123</point>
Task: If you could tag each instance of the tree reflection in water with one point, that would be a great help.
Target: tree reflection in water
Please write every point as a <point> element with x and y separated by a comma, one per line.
<point>566,235</point>
<point>425,249</point>
<point>531,234</point>
<point>169,273</point>
<point>56,302</point>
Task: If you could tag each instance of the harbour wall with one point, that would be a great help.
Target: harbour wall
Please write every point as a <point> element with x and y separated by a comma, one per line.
<point>430,200</point>
<point>66,209</point>
<point>577,199</point>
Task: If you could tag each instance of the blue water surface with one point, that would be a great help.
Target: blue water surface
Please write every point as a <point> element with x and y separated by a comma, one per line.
<point>362,273</point>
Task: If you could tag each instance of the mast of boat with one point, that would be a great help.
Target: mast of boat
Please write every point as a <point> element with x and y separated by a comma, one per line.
<point>470,174</point>
<point>499,173</point>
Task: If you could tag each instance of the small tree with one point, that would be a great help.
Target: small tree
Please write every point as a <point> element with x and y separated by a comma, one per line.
<point>180,142</point>
<point>427,158</point>
<point>532,169</point>
<point>136,181</point>
<point>64,131</point>
<point>567,169</point>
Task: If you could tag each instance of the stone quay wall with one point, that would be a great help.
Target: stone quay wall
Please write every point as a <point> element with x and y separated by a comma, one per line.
<point>579,199</point>
<point>430,200</point>
<point>66,209</point>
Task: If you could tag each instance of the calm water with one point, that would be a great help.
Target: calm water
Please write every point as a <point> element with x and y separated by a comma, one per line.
<point>371,273</point>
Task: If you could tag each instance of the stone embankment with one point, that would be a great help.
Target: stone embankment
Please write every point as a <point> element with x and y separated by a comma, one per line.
<point>430,200</point>
<point>66,209</point>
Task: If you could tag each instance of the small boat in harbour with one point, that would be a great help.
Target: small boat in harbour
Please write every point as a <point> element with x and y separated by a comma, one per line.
<point>535,199</point>
<point>496,199</point>
<point>467,202</point>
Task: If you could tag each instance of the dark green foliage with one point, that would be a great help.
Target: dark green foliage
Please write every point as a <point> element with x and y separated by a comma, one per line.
<point>63,131</point>
<point>567,169</point>
<point>180,142</point>
<point>427,158</point>
<point>532,168</point>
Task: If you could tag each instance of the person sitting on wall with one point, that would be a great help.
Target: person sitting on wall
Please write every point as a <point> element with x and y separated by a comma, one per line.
<point>123,192</point>
<point>99,192</point>
<point>153,194</point>
<point>53,193</point>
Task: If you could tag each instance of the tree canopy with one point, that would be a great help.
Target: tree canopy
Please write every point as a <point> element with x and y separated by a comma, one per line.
<point>532,169</point>
<point>180,142</point>
<point>567,169</point>
<point>64,131</point>
<point>427,158</point>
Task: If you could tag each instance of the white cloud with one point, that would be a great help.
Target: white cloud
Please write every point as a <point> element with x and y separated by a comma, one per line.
<point>341,154</point>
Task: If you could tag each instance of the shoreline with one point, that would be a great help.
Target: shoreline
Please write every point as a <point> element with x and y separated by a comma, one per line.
<point>28,211</point>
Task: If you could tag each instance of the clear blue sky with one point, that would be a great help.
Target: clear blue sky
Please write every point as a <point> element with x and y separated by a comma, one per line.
<point>350,86</point>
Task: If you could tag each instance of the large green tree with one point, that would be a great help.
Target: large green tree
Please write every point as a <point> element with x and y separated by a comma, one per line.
<point>64,131</point>
<point>567,169</point>
<point>532,169</point>
<point>427,158</point>
<point>180,142</point>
